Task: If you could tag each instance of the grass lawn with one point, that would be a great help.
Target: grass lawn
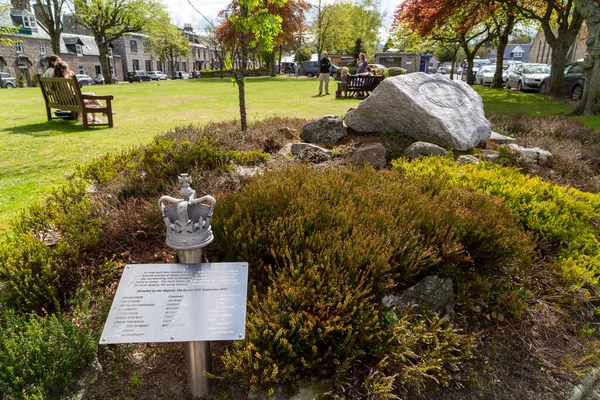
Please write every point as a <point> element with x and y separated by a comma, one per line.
<point>36,154</point>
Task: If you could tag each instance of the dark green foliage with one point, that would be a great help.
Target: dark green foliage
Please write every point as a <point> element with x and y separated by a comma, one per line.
<point>324,246</point>
<point>21,82</point>
<point>395,71</point>
<point>42,261</point>
<point>40,356</point>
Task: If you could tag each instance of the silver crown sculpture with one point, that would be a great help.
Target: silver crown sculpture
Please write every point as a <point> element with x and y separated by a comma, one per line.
<point>188,219</point>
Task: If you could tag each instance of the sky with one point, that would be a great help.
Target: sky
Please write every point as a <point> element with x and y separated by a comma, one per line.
<point>182,12</point>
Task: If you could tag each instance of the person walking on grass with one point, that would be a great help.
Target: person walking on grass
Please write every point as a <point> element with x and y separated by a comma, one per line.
<point>324,68</point>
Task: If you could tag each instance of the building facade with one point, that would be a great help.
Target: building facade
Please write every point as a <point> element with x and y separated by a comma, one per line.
<point>541,52</point>
<point>29,54</point>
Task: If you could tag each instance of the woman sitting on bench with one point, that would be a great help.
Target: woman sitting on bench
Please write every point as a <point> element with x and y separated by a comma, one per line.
<point>61,70</point>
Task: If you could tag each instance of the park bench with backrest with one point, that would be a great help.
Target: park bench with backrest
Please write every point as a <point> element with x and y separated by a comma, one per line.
<point>359,84</point>
<point>65,94</point>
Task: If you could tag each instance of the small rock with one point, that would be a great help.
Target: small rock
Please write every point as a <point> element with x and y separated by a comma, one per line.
<point>534,155</point>
<point>467,159</point>
<point>137,358</point>
<point>286,150</point>
<point>311,152</point>
<point>289,133</point>
<point>246,172</point>
<point>419,149</point>
<point>371,153</point>
<point>490,155</point>
<point>328,129</point>
<point>433,292</point>
<point>501,139</point>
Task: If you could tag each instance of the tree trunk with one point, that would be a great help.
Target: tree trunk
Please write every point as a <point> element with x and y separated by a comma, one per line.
<point>55,41</point>
<point>272,61</point>
<point>557,73</point>
<point>103,60</point>
<point>591,92</point>
<point>241,73</point>
<point>470,57</point>
<point>280,53</point>
<point>502,42</point>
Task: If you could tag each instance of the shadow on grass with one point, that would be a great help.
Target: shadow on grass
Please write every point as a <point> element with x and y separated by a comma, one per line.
<point>48,128</point>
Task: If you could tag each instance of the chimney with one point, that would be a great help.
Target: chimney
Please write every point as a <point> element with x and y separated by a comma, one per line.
<point>21,5</point>
<point>188,28</point>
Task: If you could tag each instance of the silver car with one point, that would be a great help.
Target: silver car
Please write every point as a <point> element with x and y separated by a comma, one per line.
<point>485,75</point>
<point>527,76</point>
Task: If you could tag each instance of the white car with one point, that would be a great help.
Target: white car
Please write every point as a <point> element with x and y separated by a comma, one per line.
<point>157,75</point>
<point>485,75</point>
<point>527,76</point>
<point>181,75</point>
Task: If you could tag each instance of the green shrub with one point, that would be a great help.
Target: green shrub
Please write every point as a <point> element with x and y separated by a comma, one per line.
<point>42,261</point>
<point>21,82</point>
<point>395,71</point>
<point>40,356</point>
<point>562,216</point>
<point>323,246</point>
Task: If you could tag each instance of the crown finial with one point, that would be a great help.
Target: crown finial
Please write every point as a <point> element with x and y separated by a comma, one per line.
<point>188,219</point>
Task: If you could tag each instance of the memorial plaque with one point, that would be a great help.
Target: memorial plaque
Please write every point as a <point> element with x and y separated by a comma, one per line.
<point>178,303</point>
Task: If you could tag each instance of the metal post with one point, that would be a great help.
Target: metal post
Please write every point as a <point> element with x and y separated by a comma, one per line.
<point>198,357</point>
<point>189,231</point>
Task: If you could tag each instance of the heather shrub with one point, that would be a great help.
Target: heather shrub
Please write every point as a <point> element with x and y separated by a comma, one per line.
<point>42,261</point>
<point>324,246</point>
<point>395,71</point>
<point>564,217</point>
<point>40,356</point>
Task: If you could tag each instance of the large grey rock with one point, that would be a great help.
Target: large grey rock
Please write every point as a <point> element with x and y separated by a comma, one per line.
<point>501,139</point>
<point>370,153</point>
<point>427,107</point>
<point>433,292</point>
<point>311,152</point>
<point>419,149</point>
<point>328,129</point>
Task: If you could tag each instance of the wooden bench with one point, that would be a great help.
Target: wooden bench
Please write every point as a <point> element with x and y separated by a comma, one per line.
<point>357,84</point>
<point>65,94</point>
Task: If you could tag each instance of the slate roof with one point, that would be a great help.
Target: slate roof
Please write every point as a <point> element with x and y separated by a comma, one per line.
<point>11,18</point>
<point>517,48</point>
<point>88,44</point>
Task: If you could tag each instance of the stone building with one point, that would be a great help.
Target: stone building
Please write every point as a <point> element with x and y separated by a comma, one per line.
<point>29,55</point>
<point>541,52</point>
<point>83,56</point>
<point>409,61</point>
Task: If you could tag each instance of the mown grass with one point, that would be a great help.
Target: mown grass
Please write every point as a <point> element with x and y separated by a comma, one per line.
<point>36,155</point>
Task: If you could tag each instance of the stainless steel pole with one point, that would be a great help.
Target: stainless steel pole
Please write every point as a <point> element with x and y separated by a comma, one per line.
<point>198,357</point>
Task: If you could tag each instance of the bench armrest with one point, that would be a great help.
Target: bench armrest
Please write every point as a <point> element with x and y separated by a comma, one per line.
<point>95,97</point>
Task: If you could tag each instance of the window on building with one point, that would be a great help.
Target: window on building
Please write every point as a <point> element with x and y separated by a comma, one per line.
<point>148,65</point>
<point>98,70</point>
<point>110,51</point>
<point>19,47</point>
<point>518,54</point>
<point>158,66</point>
<point>204,52</point>
<point>133,46</point>
<point>184,66</point>
<point>28,22</point>
<point>81,69</point>
<point>79,49</point>
<point>42,48</point>
<point>136,64</point>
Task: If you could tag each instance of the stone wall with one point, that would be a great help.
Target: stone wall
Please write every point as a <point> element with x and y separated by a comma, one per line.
<point>31,62</point>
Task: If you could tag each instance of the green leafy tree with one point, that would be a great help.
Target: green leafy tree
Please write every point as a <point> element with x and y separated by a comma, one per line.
<point>248,24</point>
<point>302,54</point>
<point>49,12</point>
<point>166,41</point>
<point>109,20</point>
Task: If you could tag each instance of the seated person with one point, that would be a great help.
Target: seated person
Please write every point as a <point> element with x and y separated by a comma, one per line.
<point>61,70</point>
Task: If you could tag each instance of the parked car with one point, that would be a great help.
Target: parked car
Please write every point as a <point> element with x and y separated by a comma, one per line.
<point>527,76</point>
<point>99,80</point>
<point>157,75</point>
<point>181,75</point>
<point>7,81</point>
<point>508,70</point>
<point>84,79</point>
<point>478,63</point>
<point>311,68</point>
<point>573,84</point>
<point>137,76</point>
<point>376,67</point>
<point>442,70</point>
<point>485,75</point>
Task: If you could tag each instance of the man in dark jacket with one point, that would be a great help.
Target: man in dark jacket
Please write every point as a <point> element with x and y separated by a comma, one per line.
<point>324,67</point>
